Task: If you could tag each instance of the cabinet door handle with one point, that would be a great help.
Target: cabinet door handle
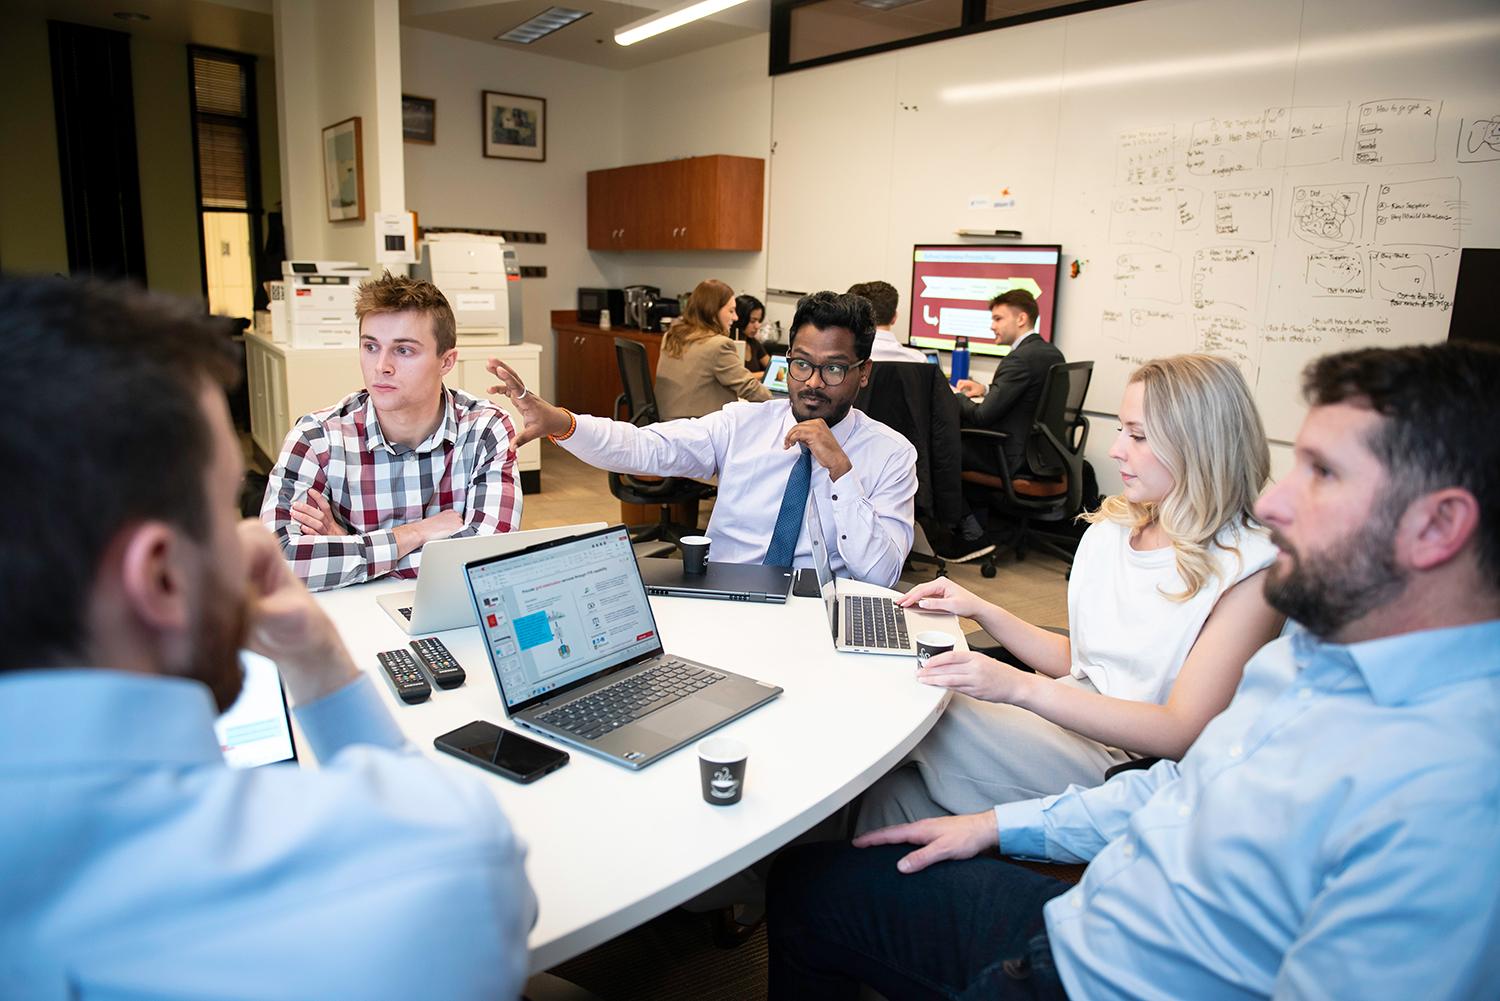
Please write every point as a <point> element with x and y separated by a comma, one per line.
<point>684,231</point>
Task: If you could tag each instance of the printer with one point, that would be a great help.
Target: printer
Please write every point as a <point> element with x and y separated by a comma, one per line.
<point>319,302</point>
<point>481,279</point>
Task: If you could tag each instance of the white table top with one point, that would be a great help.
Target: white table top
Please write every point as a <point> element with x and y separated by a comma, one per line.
<point>610,848</point>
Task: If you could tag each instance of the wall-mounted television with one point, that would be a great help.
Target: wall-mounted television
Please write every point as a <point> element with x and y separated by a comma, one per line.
<point>952,285</point>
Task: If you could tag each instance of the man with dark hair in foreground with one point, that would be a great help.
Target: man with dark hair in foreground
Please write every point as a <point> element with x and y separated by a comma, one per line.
<point>1332,833</point>
<point>135,862</point>
<point>769,456</point>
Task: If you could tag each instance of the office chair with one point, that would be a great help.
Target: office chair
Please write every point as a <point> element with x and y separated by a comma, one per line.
<point>913,399</point>
<point>1053,490</point>
<point>638,402</point>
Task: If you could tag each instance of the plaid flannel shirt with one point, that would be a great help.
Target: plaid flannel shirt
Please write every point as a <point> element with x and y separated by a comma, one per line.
<point>467,465</point>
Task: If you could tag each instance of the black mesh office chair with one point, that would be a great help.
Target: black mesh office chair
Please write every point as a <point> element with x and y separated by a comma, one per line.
<point>1053,489</point>
<point>913,399</point>
<point>637,404</point>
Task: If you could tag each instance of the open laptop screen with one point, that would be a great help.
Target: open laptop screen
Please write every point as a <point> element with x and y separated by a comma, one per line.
<point>827,584</point>
<point>775,377</point>
<point>256,729</point>
<point>562,612</point>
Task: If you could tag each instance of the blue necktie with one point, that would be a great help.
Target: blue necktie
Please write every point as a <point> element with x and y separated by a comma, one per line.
<point>793,512</point>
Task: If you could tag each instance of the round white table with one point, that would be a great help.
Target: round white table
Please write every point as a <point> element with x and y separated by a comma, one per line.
<point>611,848</point>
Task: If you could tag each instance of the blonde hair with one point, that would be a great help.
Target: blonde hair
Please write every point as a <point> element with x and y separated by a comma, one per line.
<point>1204,428</point>
<point>700,319</point>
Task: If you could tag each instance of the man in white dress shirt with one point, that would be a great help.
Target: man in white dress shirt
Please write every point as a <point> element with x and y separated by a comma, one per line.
<point>884,299</point>
<point>769,456</point>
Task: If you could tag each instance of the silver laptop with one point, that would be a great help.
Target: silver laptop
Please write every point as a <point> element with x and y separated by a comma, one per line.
<point>577,655</point>
<point>865,623</point>
<point>441,600</point>
<point>725,581</point>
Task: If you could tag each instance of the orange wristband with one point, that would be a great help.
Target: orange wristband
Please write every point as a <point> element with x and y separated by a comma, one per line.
<point>572,426</point>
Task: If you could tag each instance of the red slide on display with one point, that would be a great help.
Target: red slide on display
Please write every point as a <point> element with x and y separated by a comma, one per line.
<point>952,287</point>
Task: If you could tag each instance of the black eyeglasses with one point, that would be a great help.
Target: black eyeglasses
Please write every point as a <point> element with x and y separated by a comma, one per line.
<point>832,374</point>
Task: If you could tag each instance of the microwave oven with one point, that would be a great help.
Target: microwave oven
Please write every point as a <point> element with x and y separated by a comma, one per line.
<point>592,301</point>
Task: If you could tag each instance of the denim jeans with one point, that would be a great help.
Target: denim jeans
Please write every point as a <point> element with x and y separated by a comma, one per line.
<point>840,916</point>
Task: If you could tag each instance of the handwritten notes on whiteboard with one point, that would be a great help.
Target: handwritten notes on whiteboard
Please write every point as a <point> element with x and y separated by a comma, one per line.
<point>1274,235</point>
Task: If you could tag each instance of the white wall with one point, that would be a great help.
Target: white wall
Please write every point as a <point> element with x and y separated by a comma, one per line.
<point>451,183</point>
<point>714,101</point>
<point>338,59</point>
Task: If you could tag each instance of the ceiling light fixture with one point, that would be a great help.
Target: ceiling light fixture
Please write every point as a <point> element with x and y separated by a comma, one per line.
<point>132,15</point>
<point>666,20</point>
<point>882,4</point>
<point>542,25</point>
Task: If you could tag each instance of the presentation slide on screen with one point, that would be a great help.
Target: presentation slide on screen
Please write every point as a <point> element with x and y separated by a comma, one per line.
<point>952,288</point>
<point>557,618</point>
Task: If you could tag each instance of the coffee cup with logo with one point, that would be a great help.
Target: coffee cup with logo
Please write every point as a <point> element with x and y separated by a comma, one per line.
<point>694,553</point>
<point>931,643</point>
<point>721,767</point>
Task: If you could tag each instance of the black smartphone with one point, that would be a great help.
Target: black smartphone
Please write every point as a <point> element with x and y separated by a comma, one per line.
<point>503,752</point>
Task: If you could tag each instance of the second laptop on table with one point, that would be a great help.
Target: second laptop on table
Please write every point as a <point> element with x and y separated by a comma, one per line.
<point>576,653</point>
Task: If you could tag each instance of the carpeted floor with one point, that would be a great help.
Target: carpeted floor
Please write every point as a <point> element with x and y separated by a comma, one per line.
<point>672,958</point>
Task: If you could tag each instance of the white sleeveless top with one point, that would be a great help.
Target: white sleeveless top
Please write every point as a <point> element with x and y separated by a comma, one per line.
<point>1129,639</point>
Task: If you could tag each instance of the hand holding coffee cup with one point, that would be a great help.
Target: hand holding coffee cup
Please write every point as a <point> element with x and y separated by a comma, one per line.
<point>694,553</point>
<point>721,767</point>
<point>931,643</point>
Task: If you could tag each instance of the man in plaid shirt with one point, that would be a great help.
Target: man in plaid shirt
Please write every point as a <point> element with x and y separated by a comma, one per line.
<point>362,486</point>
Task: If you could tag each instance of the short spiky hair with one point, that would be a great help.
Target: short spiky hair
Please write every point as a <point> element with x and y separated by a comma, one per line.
<point>398,294</point>
<point>1439,428</point>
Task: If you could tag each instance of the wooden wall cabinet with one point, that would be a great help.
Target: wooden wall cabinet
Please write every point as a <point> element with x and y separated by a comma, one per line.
<point>701,203</point>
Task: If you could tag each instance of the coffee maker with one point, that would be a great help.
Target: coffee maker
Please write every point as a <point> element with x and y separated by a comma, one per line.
<point>638,301</point>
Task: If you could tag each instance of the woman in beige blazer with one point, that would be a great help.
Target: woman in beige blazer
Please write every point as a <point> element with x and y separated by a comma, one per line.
<point>700,368</point>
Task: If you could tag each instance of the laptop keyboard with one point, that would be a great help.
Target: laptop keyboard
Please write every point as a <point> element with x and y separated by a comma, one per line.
<point>406,612</point>
<point>873,622</point>
<point>626,701</point>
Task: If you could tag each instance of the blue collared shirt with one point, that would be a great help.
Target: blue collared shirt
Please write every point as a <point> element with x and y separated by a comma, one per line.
<point>1335,832</point>
<point>135,864</point>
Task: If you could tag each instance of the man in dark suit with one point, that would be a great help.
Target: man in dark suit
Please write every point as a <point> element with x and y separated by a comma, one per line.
<point>1009,403</point>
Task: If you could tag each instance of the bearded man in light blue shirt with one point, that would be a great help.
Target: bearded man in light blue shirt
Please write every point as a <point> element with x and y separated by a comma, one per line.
<point>1332,833</point>
<point>134,862</point>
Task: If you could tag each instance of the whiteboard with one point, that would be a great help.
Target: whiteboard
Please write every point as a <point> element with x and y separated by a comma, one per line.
<point>1267,181</point>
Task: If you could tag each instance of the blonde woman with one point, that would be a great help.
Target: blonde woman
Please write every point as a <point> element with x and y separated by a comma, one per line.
<point>1164,607</point>
<point>700,368</point>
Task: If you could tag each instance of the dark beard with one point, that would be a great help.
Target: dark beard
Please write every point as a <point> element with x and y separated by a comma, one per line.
<point>216,648</point>
<point>1328,591</point>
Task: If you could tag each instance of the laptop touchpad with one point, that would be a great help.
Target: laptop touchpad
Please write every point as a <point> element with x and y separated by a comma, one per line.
<point>687,716</point>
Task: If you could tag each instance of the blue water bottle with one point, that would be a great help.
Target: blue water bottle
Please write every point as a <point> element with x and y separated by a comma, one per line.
<point>960,361</point>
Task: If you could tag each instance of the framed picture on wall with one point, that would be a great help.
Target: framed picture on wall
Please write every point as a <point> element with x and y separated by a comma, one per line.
<point>344,171</point>
<point>418,119</point>
<point>515,126</point>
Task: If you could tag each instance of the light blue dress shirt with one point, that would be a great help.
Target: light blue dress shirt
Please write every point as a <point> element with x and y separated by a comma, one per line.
<point>135,864</point>
<point>1334,833</point>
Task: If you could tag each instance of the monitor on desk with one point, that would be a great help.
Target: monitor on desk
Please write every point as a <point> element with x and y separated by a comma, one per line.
<point>952,285</point>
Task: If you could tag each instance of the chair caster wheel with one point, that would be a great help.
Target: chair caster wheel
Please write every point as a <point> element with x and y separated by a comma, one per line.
<point>987,570</point>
